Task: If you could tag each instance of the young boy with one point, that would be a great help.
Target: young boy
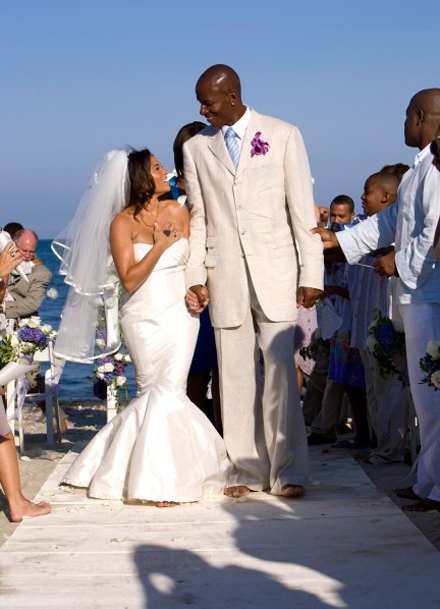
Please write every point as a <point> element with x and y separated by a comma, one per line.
<point>388,398</point>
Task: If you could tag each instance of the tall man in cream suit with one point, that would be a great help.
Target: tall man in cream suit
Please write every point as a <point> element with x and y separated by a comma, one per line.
<point>251,192</point>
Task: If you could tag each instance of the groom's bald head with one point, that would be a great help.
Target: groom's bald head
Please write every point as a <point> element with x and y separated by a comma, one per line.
<point>222,78</point>
<point>219,93</point>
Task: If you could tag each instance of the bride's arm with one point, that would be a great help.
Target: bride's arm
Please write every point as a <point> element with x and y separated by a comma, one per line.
<point>131,273</point>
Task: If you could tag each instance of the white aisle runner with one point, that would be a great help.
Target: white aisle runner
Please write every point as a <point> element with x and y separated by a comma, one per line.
<point>343,545</point>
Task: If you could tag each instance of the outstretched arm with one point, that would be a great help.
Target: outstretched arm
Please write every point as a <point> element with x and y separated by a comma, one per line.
<point>375,232</point>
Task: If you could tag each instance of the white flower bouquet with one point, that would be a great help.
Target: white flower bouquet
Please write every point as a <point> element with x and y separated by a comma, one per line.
<point>430,365</point>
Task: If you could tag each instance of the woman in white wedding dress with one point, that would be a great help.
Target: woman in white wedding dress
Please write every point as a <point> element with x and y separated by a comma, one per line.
<point>160,448</point>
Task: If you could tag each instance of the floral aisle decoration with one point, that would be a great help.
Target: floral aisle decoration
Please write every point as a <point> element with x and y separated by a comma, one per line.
<point>110,372</point>
<point>31,336</point>
<point>386,341</point>
<point>430,365</point>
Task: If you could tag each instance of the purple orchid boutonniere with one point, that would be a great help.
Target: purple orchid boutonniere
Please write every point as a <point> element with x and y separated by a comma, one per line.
<point>259,146</point>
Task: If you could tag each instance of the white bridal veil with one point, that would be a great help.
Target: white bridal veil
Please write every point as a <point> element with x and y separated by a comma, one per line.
<point>84,250</point>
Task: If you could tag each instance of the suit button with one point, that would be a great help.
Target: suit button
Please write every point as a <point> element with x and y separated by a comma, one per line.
<point>243,232</point>
<point>240,207</point>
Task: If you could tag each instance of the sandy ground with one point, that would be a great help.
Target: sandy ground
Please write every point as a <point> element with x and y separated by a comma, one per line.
<point>85,418</point>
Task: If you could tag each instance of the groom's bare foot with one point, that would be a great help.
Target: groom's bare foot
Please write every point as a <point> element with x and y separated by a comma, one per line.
<point>237,491</point>
<point>24,507</point>
<point>292,490</point>
<point>162,504</point>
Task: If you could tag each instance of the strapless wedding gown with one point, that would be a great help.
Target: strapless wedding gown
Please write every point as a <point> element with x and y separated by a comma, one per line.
<point>161,447</point>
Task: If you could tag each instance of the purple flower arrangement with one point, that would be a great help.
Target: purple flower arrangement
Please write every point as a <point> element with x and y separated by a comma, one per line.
<point>33,335</point>
<point>110,373</point>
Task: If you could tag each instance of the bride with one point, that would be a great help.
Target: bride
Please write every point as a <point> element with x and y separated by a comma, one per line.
<point>160,448</point>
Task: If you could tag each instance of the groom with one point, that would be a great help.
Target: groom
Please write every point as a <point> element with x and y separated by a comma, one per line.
<point>249,182</point>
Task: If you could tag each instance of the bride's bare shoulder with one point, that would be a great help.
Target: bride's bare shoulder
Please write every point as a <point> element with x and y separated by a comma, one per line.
<point>124,219</point>
<point>174,208</point>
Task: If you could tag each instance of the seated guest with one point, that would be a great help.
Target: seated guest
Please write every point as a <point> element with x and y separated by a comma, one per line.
<point>25,297</point>
<point>19,506</point>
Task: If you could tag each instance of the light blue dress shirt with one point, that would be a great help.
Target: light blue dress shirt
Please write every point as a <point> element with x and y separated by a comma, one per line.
<point>411,224</point>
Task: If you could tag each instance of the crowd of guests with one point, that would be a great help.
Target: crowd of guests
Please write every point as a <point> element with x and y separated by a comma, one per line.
<point>345,383</point>
<point>390,270</point>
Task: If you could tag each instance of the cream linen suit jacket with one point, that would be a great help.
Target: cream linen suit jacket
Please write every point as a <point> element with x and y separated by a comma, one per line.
<point>252,215</point>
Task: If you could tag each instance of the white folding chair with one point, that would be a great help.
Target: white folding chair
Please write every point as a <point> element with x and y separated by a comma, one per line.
<point>18,394</point>
<point>52,379</point>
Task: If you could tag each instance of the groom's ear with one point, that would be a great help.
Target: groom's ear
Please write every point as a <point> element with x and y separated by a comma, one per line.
<point>232,98</point>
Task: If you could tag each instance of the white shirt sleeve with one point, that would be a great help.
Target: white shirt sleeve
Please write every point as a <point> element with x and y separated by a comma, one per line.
<point>375,232</point>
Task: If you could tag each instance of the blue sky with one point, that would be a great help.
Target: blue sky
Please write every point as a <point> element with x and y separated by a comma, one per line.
<point>80,78</point>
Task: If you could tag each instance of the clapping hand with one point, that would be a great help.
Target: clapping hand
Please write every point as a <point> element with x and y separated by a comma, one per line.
<point>166,234</point>
<point>197,298</point>
<point>324,213</point>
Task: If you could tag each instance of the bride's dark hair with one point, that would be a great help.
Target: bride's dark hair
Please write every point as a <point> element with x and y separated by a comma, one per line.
<point>141,182</point>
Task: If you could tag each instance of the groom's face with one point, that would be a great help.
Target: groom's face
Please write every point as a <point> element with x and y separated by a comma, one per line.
<point>215,105</point>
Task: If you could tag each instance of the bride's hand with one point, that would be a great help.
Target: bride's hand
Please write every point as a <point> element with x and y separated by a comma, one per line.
<point>166,234</point>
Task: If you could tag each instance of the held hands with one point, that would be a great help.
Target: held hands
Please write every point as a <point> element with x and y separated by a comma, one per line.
<point>9,259</point>
<point>197,298</point>
<point>386,265</point>
<point>165,235</point>
<point>307,297</point>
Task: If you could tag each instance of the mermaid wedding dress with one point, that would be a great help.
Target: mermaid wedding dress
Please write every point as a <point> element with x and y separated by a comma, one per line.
<point>161,447</point>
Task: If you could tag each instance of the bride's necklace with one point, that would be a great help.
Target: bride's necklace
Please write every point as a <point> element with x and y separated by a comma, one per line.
<point>155,217</point>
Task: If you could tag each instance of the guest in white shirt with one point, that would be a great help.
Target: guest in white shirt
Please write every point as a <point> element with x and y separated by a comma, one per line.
<point>411,223</point>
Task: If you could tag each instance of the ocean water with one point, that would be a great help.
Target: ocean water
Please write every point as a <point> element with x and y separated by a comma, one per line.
<point>77,379</point>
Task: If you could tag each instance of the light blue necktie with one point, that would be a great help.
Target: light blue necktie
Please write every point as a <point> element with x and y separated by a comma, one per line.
<point>232,145</point>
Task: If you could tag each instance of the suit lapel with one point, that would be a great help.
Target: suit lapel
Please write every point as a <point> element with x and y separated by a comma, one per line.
<point>218,147</point>
<point>245,155</point>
